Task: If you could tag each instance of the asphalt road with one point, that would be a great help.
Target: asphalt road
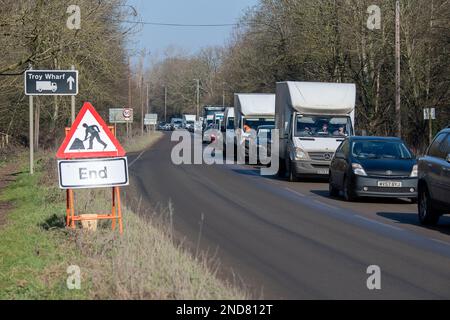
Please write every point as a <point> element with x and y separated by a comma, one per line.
<point>290,240</point>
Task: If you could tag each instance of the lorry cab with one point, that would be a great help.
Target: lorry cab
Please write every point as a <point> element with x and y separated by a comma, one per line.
<point>313,119</point>
<point>189,121</point>
<point>210,118</point>
<point>218,120</point>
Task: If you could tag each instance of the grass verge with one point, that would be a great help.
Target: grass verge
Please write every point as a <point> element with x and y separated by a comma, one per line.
<point>144,263</point>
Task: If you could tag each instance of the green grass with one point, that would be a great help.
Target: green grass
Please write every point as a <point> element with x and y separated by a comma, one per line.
<point>144,263</point>
<point>33,260</point>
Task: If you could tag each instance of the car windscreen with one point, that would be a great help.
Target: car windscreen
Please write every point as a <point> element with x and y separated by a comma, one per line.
<point>372,149</point>
<point>254,123</point>
<point>323,126</point>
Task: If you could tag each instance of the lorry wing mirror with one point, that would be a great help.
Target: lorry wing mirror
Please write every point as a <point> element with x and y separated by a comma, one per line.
<point>340,155</point>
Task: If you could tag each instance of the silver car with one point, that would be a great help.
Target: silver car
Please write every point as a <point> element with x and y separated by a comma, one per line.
<point>434,180</point>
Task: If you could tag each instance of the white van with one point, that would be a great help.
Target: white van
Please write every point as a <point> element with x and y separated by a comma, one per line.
<point>313,119</point>
<point>252,110</point>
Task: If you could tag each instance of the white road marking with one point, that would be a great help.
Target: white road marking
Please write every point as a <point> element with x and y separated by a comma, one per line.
<point>440,241</point>
<point>377,222</point>
<point>295,192</point>
<point>137,158</point>
<point>325,204</point>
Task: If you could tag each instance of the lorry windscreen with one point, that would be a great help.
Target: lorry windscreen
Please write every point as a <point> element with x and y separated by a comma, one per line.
<point>230,124</point>
<point>255,123</point>
<point>323,126</point>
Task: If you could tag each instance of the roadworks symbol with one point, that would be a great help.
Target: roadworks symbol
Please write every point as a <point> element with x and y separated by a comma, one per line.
<point>89,137</point>
<point>92,133</point>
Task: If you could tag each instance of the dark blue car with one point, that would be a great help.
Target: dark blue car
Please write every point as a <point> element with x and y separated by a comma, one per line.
<point>373,167</point>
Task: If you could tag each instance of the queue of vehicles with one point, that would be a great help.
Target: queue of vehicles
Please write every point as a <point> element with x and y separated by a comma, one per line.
<point>316,122</point>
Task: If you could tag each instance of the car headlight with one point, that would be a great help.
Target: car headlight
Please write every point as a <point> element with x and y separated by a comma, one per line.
<point>415,171</point>
<point>358,169</point>
<point>300,154</point>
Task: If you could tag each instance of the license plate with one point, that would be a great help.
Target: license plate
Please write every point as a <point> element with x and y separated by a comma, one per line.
<point>389,184</point>
<point>323,171</point>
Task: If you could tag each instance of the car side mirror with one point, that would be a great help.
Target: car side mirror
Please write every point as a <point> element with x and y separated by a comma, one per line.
<point>448,158</point>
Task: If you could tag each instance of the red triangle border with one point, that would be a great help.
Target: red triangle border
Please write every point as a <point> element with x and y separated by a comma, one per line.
<point>96,154</point>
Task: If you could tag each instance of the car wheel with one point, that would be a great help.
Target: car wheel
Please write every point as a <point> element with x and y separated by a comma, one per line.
<point>427,214</point>
<point>349,193</point>
<point>292,174</point>
<point>334,192</point>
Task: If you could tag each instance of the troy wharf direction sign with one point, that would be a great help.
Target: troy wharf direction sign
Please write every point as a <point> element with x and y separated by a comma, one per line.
<point>93,173</point>
<point>51,82</point>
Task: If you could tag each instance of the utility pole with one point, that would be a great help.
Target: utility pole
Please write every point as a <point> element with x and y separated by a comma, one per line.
<point>165,104</point>
<point>223,92</point>
<point>142,104</point>
<point>198,97</point>
<point>148,103</point>
<point>398,114</point>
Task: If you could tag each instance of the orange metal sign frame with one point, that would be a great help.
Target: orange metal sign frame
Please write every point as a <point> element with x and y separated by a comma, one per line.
<point>116,211</point>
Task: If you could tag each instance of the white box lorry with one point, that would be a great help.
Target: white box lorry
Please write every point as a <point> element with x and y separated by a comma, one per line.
<point>252,110</point>
<point>313,119</point>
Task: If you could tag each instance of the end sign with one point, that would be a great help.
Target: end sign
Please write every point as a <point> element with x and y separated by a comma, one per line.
<point>51,82</point>
<point>93,173</point>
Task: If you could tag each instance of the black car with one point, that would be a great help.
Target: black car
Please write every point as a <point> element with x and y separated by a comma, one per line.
<point>434,180</point>
<point>373,167</point>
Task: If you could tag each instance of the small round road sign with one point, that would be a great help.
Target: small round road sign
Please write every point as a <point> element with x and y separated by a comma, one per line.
<point>127,113</point>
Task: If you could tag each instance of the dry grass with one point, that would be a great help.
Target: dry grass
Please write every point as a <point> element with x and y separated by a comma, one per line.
<point>139,143</point>
<point>145,263</point>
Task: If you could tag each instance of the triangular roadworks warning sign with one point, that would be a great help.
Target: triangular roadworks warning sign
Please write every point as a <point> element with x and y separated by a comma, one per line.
<point>89,137</point>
